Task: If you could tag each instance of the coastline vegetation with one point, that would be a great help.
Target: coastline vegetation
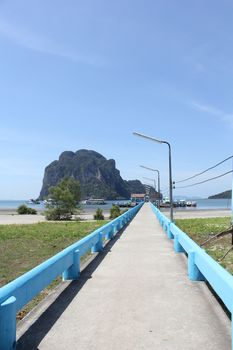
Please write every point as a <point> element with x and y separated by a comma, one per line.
<point>200,229</point>
<point>115,211</point>
<point>99,214</point>
<point>23,209</point>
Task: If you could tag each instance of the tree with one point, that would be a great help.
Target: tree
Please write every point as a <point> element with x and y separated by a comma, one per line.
<point>64,199</point>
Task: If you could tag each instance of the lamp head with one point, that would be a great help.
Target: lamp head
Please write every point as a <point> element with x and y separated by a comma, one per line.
<point>147,137</point>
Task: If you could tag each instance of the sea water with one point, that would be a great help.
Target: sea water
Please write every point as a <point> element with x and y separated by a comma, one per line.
<point>201,204</point>
<point>213,203</point>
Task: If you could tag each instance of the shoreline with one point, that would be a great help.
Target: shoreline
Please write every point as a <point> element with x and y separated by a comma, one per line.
<point>198,213</point>
<point>10,216</point>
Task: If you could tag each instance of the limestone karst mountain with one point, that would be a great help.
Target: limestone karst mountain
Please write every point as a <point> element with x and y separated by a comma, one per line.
<point>98,176</point>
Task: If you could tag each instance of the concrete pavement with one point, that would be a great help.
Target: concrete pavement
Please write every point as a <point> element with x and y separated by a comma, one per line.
<point>138,297</point>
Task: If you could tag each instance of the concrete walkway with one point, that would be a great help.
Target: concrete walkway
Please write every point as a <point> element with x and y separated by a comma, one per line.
<point>138,297</point>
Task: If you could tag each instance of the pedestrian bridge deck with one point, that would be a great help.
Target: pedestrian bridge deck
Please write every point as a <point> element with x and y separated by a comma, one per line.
<point>138,297</point>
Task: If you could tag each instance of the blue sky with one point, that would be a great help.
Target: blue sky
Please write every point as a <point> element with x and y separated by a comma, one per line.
<point>86,74</point>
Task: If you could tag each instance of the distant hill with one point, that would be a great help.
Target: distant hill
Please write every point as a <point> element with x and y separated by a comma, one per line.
<point>222,195</point>
<point>134,186</point>
<point>98,176</point>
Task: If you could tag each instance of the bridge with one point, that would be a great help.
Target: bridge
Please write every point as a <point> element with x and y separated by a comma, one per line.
<point>149,288</point>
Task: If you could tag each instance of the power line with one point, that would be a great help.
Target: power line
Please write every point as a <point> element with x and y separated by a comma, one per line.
<point>212,167</point>
<point>212,178</point>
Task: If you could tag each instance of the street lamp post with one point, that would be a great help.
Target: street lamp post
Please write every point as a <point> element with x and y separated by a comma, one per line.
<point>155,170</point>
<point>147,188</point>
<point>147,178</point>
<point>170,167</point>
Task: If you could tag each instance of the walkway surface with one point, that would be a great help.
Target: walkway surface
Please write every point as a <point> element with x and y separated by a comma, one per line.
<point>138,297</point>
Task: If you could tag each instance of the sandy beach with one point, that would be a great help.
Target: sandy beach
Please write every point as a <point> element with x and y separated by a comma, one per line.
<point>8,216</point>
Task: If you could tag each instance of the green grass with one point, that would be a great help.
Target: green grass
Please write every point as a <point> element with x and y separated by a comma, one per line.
<point>201,229</point>
<point>23,247</point>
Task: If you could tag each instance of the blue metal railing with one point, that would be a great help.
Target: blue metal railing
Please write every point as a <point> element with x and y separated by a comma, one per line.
<point>201,266</point>
<point>16,294</point>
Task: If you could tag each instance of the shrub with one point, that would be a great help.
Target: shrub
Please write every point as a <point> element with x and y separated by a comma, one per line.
<point>99,214</point>
<point>115,211</point>
<point>23,209</point>
<point>57,214</point>
<point>32,211</point>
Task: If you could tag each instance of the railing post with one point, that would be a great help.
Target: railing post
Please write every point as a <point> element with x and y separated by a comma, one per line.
<point>113,231</point>
<point>8,324</point>
<point>193,272</point>
<point>169,234</point>
<point>98,247</point>
<point>73,272</point>
<point>177,246</point>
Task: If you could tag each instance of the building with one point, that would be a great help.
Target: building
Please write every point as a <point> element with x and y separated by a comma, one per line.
<point>139,197</point>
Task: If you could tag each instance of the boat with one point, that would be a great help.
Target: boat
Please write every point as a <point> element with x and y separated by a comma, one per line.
<point>182,203</point>
<point>33,201</point>
<point>92,201</point>
<point>165,203</point>
<point>123,204</point>
<point>47,201</point>
<point>191,204</point>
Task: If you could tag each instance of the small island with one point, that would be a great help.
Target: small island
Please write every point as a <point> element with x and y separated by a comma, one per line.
<point>222,195</point>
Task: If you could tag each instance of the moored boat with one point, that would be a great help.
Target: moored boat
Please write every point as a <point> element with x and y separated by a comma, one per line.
<point>97,201</point>
<point>182,203</point>
<point>33,201</point>
<point>191,204</point>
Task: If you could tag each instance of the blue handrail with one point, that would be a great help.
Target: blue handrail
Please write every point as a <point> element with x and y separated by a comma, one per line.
<point>201,266</point>
<point>16,294</point>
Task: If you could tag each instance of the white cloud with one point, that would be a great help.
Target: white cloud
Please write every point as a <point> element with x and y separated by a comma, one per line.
<point>212,110</point>
<point>207,109</point>
<point>33,41</point>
